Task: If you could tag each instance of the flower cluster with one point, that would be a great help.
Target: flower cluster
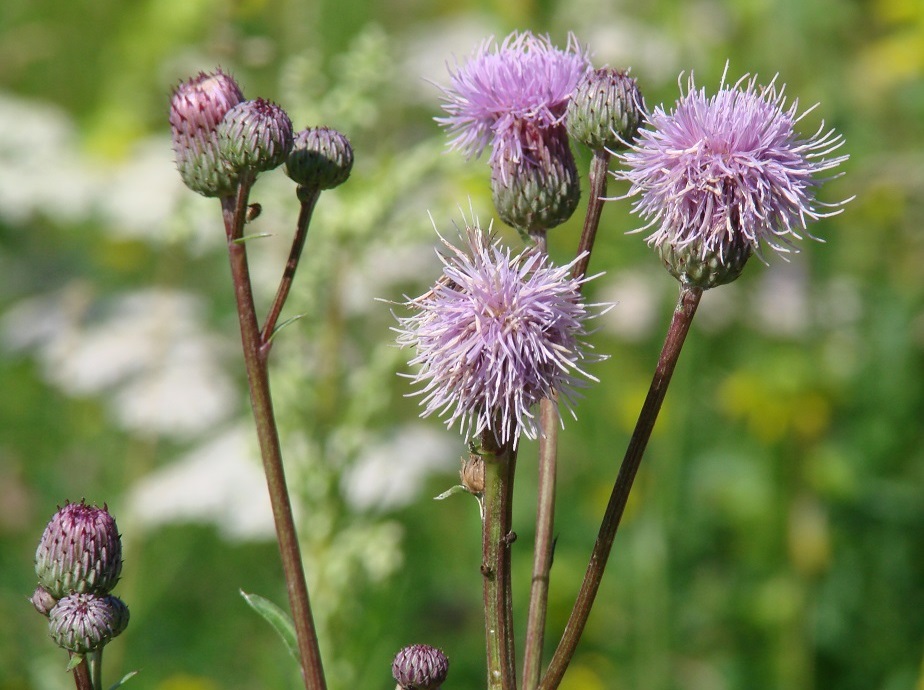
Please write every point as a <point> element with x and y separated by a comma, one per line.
<point>218,137</point>
<point>78,562</point>
<point>496,334</point>
<point>729,172</point>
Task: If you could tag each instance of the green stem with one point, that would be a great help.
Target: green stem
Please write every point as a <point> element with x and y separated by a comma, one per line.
<point>95,660</point>
<point>599,167</point>
<point>676,334</point>
<point>309,198</point>
<point>497,536</point>
<point>256,355</point>
<point>82,676</point>
<point>542,552</point>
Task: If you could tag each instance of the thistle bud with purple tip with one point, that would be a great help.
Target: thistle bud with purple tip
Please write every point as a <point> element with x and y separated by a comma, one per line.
<point>83,623</point>
<point>197,106</point>
<point>321,158</point>
<point>255,136</point>
<point>420,667</point>
<point>80,551</point>
<point>605,110</point>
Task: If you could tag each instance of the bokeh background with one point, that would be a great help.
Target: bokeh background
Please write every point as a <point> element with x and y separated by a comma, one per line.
<point>775,538</point>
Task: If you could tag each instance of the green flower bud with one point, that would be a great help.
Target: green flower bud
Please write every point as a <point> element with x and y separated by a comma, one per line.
<point>255,136</point>
<point>80,551</point>
<point>540,189</point>
<point>196,108</point>
<point>321,158</point>
<point>82,623</point>
<point>420,667</point>
<point>605,110</point>
<point>695,266</point>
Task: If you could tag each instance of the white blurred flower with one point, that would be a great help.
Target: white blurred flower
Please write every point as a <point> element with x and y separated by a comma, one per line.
<point>147,349</point>
<point>220,482</point>
<point>391,474</point>
<point>636,294</point>
<point>44,173</point>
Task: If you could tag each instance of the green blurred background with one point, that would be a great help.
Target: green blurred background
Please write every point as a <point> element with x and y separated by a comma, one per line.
<point>775,538</point>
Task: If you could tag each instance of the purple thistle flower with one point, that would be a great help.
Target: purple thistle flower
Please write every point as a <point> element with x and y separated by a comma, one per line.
<point>718,172</point>
<point>495,335</point>
<point>526,78</point>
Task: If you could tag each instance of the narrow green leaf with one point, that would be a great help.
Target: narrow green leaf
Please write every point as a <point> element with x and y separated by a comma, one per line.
<point>124,678</point>
<point>257,236</point>
<point>277,618</point>
<point>286,323</point>
<point>452,491</point>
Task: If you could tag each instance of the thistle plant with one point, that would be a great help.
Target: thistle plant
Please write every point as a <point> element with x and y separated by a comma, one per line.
<point>502,342</point>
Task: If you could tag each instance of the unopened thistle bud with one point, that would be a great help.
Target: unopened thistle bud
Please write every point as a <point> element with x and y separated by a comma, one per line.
<point>420,667</point>
<point>321,158</point>
<point>82,623</point>
<point>535,184</point>
<point>255,136</point>
<point>605,110</point>
<point>706,267</point>
<point>196,108</point>
<point>80,551</point>
<point>42,600</point>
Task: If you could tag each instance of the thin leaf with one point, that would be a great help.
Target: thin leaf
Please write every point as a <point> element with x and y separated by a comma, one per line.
<point>286,323</point>
<point>277,618</point>
<point>124,678</point>
<point>452,491</point>
<point>256,236</point>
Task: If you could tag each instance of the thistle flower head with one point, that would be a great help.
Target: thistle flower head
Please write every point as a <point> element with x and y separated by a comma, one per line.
<point>420,667</point>
<point>524,78</point>
<point>496,334</point>
<point>718,171</point>
<point>80,551</point>
<point>196,108</point>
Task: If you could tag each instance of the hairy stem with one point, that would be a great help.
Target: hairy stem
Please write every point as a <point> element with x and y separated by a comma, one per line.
<point>256,363</point>
<point>542,552</point>
<point>598,174</point>
<point>499,464</point>
<point>680,325</point>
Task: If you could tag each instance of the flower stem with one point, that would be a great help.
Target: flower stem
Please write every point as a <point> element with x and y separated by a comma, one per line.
<point>499,464</point>
<point>309,198</point>
<point>670,352</point>
<point>256,353</point>
<point>599,167</point>
<point>82,676</point>
<point>95,661</point>
<point>542,551</point>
